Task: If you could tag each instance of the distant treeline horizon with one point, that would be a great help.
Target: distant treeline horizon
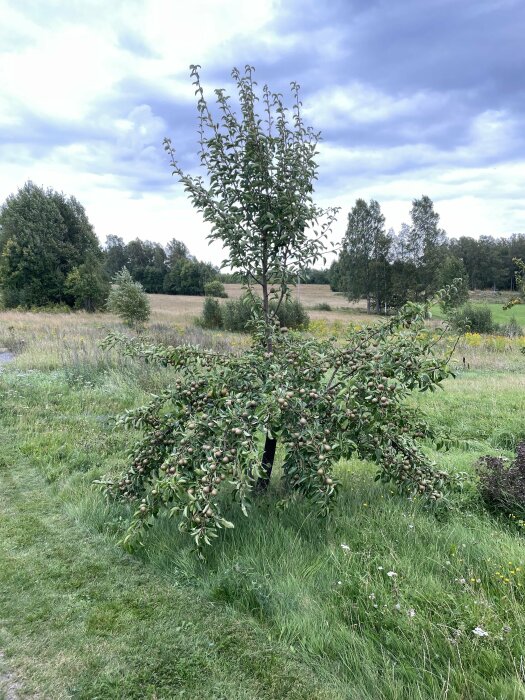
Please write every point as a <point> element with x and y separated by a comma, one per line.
<point>49,254</point>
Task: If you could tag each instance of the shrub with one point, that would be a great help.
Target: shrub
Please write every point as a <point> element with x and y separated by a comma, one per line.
<point>292,314</point>
<point>475,318</point>
<point>128,299</point>
<point>512,329</point>
<point>239,314</point>
<point>323,307</point>
<point>87,285</point>
<point>211,314</point>
<point>215,288</point>
<point>502,485</point>
<point>200,440</point>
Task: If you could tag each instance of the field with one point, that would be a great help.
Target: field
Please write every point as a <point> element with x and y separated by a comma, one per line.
<point>286,606</point>
<point>496,304</point>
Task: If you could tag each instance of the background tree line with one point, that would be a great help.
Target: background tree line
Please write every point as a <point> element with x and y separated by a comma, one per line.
<point>388,268</point>
<point>160,270</point>
<point>50,254</point>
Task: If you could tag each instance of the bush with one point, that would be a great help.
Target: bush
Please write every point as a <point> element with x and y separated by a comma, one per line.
<point>502,485</point>
<point>475,318</point>
<point>238,314</point>
<point>211,314</point>
<point>215,288</point>
<point>323,307</point>
<point>128,299</point>
<point>512,329</point>
<point>87,286</point>
<point>293,315</point>
<point>199,442</point>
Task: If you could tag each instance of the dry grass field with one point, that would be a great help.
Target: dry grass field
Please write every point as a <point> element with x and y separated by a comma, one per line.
<point>183,309</point>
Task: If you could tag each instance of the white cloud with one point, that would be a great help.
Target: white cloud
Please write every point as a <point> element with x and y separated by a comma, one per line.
<point>64,65</point>
<point>334,107</point>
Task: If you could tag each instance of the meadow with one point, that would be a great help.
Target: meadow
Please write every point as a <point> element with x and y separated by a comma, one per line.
<point>383,599</point>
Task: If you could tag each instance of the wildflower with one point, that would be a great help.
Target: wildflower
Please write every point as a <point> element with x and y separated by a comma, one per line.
<point>339,583</point>
<point>506,628</point>
<point>372,596</point>
<point>411,612</point>
<point>480,632</point>
<point>410,527</point>
<point>380,568</point>
<point>397,606</point>
<point>345,547</point>
<point>391,574</point>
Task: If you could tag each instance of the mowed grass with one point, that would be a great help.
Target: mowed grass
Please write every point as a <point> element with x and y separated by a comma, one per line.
<point>499,314</point>
<point>286,606</point>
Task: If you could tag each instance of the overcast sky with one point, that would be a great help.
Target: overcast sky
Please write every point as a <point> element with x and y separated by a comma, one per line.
<point>412,97</point>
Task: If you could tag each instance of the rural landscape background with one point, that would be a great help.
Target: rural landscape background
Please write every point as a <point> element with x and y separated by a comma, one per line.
<point>262,350</point>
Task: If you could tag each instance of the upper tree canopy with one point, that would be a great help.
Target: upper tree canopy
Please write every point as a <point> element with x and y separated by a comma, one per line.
<point>364,259</point>
<point>260,163</point>
<point>44,235</point>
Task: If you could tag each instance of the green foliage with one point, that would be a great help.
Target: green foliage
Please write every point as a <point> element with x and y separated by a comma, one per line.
<point>43,237</point>
<point>258,198</point>
<point>453,272</point>
<point>520,275</point>
<point>200,439</point>
<point>476,318</point>
<point>239,315</point>
<point>292,315</point>
<point>215,288</point>
<point>170,271</point>
<point>128,300</point>
<point>88,285</point>
<point>363,267</point>
<point>211,315</point>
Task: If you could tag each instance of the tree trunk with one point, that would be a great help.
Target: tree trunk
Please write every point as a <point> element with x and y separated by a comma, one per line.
<point>267,464</point>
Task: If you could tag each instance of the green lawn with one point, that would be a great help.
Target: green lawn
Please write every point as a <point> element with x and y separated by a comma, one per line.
<point>499,314</point>
<point>286,606</point>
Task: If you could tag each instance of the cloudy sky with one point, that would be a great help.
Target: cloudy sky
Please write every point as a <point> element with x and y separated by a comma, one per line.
<point>412,97</point>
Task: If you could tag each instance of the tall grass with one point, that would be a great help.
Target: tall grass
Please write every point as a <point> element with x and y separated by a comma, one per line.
<point>383,599</point>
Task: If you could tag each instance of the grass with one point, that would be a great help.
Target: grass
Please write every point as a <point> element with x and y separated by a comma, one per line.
<point>280,609</point>
<point>499,314</point>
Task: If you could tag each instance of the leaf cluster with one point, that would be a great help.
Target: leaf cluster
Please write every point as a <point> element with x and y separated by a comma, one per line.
<point>200,440</point>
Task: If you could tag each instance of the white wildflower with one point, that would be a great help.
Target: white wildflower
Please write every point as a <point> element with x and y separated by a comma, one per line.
<point>411,612</point>
<point>391,574</point>
<point>345,547</point>
<point>480,632</point>
<point>372,596</point>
